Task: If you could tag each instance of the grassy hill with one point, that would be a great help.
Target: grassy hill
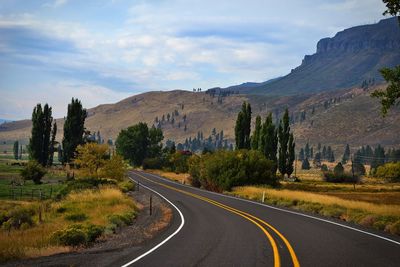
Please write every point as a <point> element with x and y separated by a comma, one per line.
<point>331,118</point>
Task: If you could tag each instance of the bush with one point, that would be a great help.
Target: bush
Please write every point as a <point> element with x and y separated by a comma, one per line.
<point>194,170</point>
<point>122,219</point>
<point>153,163</point>
<point>77,217</point>
<point>333,177</point>
<point>77,235</point>
<point>93,232</point>
<point>83,184</point>
<point>324,168</point>
<point>179,161</point>
<point>359,168</point>
<point>338,170</point>
<point>389,171</point>
<point>72,236</point>
<point>126,186</point>
<point>223,170</point>
<point>33,171</point>
<point>16,218</point>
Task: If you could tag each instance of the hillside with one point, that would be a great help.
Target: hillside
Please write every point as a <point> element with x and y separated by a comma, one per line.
<point>332,118</point>
<point>346,60</point>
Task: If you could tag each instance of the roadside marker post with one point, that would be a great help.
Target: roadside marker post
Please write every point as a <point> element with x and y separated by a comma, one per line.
<point>263,197</point>
<point>151,204</point>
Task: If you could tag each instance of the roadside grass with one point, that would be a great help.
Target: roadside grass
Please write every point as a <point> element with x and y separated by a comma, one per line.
<point>177,177</point>
<point>101,207</point>
<point>379,216</point>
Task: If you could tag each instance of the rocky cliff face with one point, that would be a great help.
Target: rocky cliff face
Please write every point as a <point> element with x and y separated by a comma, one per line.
<point>343,61</point>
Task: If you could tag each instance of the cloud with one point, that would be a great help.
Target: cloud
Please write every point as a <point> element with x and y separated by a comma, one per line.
<point>56,3</point>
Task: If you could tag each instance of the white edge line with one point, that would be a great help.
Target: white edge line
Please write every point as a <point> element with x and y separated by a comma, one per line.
<point>165,240</point>
<point>283,210</point>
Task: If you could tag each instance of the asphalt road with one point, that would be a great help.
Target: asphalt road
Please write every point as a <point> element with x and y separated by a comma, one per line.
<point>225,231</point>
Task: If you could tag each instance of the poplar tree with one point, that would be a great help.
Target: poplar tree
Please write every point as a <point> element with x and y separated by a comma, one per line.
<point>269,141</point>
<point>52,144</point>
<point>286,146</point>
<point>243,127</point>
<point>255,139</point>
<point>73,129</point>
<point>15,150</point>
<point>39,143</point>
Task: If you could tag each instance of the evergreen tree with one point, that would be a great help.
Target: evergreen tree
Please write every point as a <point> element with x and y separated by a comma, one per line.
<point>307,151</point>
<point>346,154</point>
<point>286,146</point>
<point>305,165</point>
<point>52,144</point>
<point>73,129</point>
<point>269,141</point>
<point>39,143</point>
<point>291,155</point>
<point>255,139</point>
<point>242,127</point>
<point>15,149</point>
<point>301,154</point>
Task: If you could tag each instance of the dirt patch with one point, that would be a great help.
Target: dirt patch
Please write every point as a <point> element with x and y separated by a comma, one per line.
<point>110,248</point>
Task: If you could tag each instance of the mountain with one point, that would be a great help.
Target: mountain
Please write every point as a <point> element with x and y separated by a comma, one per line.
<point>346,60</point>
<point>317,118</point>
<point>3,121</point>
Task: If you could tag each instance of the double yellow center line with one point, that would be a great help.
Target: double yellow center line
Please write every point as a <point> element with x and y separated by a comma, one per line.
<point>255,220</point>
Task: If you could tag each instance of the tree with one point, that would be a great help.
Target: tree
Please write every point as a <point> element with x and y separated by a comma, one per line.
<point>90,157</point>
<point>155,145</point>
<point>52,144</point>
<point>39,142</point>
<point>286,146</point>
<point>305,165</point>
<point>255,139</point>
<point>243,127</point>
<point>301,154</point>
<point>346,154</point>
<point>59,153</point>
<point>73,129</point>
<point>132,143</point>
<point>15,149</point>
<point>307,151</point>
<point>114,168</point>
<point>269,141</point>
<point>33,171</point>
<point>338,170</point>
<point>391,95</point>
<point>393,8</point>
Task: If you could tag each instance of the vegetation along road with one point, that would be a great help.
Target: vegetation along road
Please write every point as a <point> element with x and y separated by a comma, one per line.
<point>211,229</point>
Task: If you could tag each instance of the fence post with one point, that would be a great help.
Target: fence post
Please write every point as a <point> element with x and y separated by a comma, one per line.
<point>138,185</point>
<point>51,191</point>
<point>151,204</point>
<point>20,194</point>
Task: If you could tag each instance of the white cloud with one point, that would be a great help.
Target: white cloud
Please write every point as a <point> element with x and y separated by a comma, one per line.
<point>56,3</point>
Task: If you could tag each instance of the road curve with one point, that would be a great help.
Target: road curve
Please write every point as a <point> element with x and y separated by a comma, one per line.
<point>225,231</point>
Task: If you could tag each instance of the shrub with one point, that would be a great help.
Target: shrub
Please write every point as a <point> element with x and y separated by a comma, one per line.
<point>359,168</point>
<point>126,186</point>
<point>324,168</point>
<point>333,177</point>
<point>77,217</point>
<point>194,170</point>
<point>179,161</point>
<point>93,232</point>
<point>338,170</point>
<point>73,236</point>
<point>153,163</point>
<point>77,235</point>
<point>114,168</point>
<point>33,171</point>
<point>223,170</point>
<point>121,219</point>
<point>83,184</point>
<point>389,171</point>
<point>16,218</point>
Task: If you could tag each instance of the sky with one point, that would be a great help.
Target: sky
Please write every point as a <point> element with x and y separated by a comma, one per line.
<point>105,50</point>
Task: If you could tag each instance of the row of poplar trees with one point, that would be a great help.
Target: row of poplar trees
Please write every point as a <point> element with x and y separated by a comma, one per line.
<point>43,138</point>
<point>275,142</point>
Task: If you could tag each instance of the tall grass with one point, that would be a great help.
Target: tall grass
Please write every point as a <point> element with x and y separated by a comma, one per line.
<point>256,192</point>
<point>97,205</point>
